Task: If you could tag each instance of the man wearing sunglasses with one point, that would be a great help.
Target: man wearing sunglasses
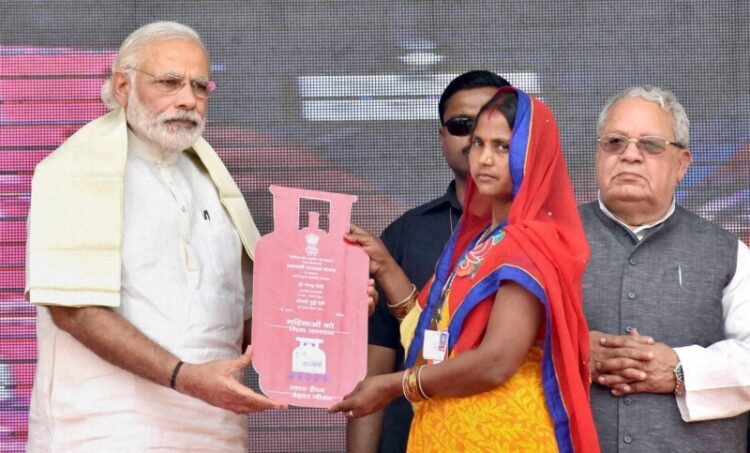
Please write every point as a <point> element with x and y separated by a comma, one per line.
<point>666,293</point>
<point>139,248</point>
<point>415,240</point>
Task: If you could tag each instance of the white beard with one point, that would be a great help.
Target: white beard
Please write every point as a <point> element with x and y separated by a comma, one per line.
<point>156,128</point>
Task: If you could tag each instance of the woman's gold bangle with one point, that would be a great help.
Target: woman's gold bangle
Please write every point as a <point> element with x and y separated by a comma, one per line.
<point>401,309</point>
<point>412,386</point>
<point>419,383</point>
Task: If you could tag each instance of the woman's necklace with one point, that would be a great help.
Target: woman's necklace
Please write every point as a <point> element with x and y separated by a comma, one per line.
<point>485,233</point>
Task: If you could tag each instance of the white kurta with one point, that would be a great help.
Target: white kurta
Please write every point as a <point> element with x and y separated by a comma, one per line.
<point>182,286</point>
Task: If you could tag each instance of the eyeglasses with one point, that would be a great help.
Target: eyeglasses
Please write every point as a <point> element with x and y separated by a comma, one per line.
<point>460,126</point>
<point>171,84</point>
<point>617,144</point>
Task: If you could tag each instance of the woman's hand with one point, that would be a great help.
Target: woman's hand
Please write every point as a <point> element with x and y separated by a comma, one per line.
<point>380,258</point>
<point>372,297</point>
<point>370,395</point>
<point>393,282</point>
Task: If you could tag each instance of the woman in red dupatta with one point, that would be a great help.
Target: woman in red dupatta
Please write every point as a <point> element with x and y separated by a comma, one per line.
<point>497,345</point>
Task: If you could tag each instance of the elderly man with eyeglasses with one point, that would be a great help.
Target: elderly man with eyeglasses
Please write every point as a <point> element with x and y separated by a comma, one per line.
<point>139,258</point>
<point>666,293</point>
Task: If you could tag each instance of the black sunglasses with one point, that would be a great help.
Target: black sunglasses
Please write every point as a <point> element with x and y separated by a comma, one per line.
<point>460,126</point>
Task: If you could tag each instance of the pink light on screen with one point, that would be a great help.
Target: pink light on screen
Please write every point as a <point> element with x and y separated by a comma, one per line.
<point>46,94</point>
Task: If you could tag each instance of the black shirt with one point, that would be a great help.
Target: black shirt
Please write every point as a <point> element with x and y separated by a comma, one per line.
<point>416,240</point>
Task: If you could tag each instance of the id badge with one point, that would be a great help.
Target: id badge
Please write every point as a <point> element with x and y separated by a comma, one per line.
<point>435,345</point>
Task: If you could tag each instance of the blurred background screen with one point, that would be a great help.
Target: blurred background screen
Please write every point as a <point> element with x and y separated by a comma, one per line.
<point>342,96</point>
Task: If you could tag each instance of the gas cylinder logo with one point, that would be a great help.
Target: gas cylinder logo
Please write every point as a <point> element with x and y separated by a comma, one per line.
<point>308,357</point>
<point>312,244</point>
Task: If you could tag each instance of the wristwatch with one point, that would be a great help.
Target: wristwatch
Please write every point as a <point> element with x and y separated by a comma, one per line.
<point>679,380</point>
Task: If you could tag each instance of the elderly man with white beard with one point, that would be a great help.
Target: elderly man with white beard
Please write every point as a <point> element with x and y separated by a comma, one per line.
<point>139,257</point>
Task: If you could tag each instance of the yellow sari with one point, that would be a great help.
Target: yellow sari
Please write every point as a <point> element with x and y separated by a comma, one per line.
<point>512,417</point>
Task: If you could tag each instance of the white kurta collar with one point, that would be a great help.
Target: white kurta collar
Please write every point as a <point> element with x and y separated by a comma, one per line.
<point>640,230</point>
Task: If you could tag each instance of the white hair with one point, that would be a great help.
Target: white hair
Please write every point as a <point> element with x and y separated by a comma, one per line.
<point>128,55</point>
<point>664,98</point>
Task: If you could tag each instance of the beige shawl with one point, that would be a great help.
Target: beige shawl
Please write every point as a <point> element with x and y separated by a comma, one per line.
<point>74,249</point>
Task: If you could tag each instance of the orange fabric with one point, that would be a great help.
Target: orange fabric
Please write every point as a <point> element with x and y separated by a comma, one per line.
<point>512,417</point>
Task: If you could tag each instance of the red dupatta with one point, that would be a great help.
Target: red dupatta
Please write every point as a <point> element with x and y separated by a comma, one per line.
<point>544,249</point>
